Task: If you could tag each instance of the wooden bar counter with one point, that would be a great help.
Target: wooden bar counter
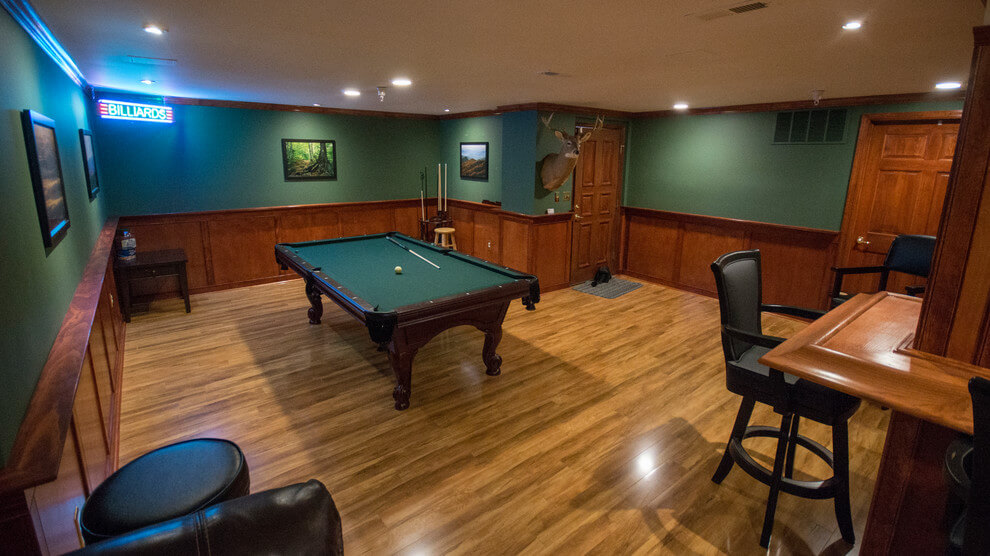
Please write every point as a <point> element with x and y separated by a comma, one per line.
<point>864,348</point>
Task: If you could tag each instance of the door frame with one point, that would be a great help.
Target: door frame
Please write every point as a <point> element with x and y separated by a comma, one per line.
<point>867,128</point>
<point>615,240</point>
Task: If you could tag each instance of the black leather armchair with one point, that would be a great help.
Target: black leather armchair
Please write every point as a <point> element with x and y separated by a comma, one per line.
<point>737,278</point>
<point>910,254</point>
<point>297,519</point>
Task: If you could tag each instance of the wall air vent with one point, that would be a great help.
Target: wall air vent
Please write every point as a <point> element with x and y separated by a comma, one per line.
<point>748,7</point>
<point>804,127</point>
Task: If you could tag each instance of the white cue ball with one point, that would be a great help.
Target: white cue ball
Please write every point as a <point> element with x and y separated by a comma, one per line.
<point>398,270</point>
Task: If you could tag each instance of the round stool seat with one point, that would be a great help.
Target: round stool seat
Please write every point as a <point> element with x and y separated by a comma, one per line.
<point>163,484</point>
<point>444,237</point>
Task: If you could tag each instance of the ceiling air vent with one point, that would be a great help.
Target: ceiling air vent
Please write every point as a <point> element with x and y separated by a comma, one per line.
<point>748,7</point>
<point>143,60</point>
<point>804,127</point>
<point>735,10</point>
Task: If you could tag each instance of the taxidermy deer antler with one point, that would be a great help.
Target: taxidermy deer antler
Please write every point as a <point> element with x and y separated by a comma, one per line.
<point>557,167</point>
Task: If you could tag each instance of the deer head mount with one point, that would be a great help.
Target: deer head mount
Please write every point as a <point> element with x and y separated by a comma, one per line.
<point>557,167</point>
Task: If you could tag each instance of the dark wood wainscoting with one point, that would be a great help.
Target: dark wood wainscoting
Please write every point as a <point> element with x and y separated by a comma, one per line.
<point>233,248</point>
<point>68,441</point>
<point>677,249</point>
<point>539,244</point>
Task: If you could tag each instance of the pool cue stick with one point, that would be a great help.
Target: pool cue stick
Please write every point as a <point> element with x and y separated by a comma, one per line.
<point>390,238</point>
<point>446,187</point>
<point>422,204</point>
<point>439,189</point>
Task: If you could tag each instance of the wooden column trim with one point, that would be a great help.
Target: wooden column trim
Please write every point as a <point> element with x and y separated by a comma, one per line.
<point>38,445</point>
<point>967,183</point>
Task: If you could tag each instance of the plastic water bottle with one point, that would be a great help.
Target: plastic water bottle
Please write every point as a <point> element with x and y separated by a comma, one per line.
<point>127,246</point>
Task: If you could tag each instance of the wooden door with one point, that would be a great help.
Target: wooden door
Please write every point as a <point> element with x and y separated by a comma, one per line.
<point>899,181</point>
<point>597,191</point>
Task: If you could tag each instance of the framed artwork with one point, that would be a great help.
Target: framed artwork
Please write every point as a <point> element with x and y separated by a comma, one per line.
<point>46,176</point>
<point>309,159</point>
<point>89,163</point>
<point>474,161</point>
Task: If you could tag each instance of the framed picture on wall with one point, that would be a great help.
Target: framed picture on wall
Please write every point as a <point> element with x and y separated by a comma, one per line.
<point>474,161</point>
<point>46,176</point>
<point>89,163</point>
<point>309,159</point>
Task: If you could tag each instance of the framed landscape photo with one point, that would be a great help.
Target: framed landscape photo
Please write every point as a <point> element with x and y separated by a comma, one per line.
<point>309,159</point>
<point>474,161</point>
<point>89,163</point>
<point>46,176</point>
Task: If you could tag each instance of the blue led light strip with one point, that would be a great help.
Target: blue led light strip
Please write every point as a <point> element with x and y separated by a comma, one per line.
<point>31,22</point>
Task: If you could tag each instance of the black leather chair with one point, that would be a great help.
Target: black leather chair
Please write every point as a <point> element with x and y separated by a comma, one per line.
<point>737,277</point>
<point>967,467</point>
<point>297,519</point>
<point>910,254</point>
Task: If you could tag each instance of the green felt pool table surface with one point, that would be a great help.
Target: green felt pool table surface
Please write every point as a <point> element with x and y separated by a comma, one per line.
<point>365,265</point>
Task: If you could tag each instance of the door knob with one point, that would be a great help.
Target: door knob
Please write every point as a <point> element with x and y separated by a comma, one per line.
<point>861,240</point>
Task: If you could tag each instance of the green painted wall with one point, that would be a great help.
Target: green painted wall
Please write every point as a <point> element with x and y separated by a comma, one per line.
<point>726,165</point>
<point>36,287</point>
<point>472,130</point>
<point>225,158</point>
<point>518,145</point>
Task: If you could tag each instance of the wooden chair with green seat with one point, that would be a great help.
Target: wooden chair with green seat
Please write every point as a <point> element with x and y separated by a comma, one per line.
<point>737,278</point>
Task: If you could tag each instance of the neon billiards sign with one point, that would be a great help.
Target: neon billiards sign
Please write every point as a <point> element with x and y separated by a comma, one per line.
<point>119,110</point>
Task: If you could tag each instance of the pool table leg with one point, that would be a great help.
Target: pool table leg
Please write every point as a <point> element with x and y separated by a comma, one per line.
<point>401,360</point>
<point>493,335</point>
<point>493,361</point>
<point>316,310</point>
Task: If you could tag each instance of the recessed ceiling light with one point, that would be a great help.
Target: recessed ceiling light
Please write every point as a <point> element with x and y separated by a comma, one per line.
<point>352,92</point>
<point>147,81</point>
<point>849,26</point>
<point>401,82</point>
<point>316,104</point>
<point>154,29</point>
<point>681,106</point>
<point>446,109</point>
<point>948,85</point>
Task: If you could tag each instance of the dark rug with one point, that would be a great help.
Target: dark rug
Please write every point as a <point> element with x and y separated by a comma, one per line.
<point>609,290</point>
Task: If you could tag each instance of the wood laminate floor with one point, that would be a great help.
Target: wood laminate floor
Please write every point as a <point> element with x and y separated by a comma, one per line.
<point>600,436</point>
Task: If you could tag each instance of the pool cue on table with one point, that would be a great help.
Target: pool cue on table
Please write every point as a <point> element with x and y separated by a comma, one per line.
<point>390,238</point>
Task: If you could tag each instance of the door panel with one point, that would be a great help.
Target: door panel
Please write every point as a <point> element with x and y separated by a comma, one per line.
<point>596,193</point>
<point>902,185</point>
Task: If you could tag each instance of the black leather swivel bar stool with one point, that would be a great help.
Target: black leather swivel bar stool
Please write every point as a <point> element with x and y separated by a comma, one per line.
<point>967,468</point>
<point>909,254</point>
<point>163,484</point>
<point>740,300</point>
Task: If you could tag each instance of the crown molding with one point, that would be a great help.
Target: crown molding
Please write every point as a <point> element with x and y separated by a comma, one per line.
<point>29,20</point>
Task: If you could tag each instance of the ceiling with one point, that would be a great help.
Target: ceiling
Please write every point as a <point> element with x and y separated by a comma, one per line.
<point>633,55</point>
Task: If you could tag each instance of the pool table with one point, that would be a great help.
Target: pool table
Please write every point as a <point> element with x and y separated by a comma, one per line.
<point>403,311</point>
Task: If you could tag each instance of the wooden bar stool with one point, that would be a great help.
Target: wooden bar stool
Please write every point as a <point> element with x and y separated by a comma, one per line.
<point>444,237</point>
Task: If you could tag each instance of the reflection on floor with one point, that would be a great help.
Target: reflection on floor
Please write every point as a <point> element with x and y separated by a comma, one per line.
<point>600,435</point>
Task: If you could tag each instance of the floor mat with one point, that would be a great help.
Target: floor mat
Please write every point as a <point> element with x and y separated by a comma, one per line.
<point>609,290</point>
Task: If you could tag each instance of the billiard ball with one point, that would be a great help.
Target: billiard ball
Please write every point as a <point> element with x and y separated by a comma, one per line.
<point>398,270</point>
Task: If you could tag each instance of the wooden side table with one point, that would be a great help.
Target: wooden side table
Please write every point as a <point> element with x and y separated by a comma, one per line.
<point>150,264</point>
